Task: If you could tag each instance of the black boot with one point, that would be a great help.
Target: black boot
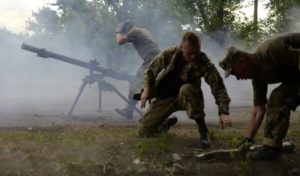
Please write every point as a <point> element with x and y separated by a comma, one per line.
<point>167,124</point>
<point>266,153</point>
<point>204,142</point>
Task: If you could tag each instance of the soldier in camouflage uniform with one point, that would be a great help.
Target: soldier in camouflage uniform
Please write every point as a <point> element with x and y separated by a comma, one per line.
<point>276,60</point>
<point>144,44</point>
<point>174,79</point>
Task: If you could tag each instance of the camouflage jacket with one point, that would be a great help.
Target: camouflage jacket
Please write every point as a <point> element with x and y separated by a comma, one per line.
<point>192,73</point>
<point>279,62</point>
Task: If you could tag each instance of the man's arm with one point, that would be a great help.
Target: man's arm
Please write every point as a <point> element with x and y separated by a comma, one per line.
<point>121,39</point>
<point>259,108</point>
<point>215,81</point>
<point>153,69</point>
<point>257,117</point>
<point>157,65</point>
<point>145,96</point>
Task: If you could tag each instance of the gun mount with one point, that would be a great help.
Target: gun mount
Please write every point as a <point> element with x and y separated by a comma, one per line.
<point>92,66</point>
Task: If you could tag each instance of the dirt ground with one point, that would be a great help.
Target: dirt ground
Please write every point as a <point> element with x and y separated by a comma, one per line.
<point>38,144</point>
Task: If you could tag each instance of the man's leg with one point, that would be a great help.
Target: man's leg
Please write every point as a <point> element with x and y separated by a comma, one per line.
<point>191,99</point>
<point>134,87</point>
<point>128,110</point>
<point>277,121</point>
<point>203,131</point>
<point>155,120</point>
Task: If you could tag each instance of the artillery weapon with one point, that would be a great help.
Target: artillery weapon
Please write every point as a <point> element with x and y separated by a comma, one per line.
<point>92,66</point>
<point>225,154</point>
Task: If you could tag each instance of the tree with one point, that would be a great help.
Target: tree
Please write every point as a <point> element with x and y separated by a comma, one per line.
<point>279,17</point>
<point>255,16</point>
<point>45,22</point>
<point>92,22</point>
<point>81,23</point>
<point>213,17</point>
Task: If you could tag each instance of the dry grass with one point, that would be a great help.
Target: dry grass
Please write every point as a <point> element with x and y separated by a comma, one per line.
<point>114,150</point>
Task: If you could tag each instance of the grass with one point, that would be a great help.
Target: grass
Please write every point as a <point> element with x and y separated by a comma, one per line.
<point>114,150</point>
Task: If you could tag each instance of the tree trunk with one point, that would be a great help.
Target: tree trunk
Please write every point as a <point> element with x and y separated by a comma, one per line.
<point>255,16</point>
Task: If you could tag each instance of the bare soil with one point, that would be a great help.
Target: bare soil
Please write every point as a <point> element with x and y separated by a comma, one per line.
<point>102,145</point>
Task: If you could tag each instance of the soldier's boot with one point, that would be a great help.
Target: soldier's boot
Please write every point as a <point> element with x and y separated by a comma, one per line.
<point>204,142</point>
<point>128,111</point>
<point>167,124</point>
<point>266,153</point>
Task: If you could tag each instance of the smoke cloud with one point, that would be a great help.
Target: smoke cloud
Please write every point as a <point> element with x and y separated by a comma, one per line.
<point>32,85</point>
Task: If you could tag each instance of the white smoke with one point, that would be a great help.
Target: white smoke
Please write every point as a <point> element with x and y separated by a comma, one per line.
<point>48,86</point>
<point>293,14</point>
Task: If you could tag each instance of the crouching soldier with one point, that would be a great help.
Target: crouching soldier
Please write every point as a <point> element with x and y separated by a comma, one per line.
<point>174,79</point>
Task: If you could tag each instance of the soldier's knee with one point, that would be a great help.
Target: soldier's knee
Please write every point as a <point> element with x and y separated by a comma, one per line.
<point>145,131</point>
<point>186,89</point>
<point>276,98</point>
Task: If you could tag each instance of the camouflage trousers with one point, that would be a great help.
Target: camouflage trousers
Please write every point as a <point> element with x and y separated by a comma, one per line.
<point>136,85</point>
<point>190,98</point>
<point>278,115</point>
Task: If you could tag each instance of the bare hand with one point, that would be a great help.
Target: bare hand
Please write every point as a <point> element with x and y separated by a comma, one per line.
<point>145,96</point>
<point>225,121</point>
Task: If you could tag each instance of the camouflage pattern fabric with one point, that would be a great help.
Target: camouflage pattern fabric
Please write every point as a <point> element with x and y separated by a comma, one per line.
<point>279,60</point>
<point>189,97</point>
<point>167,61</point>
<point>278,115</point>
<point>135,86</point>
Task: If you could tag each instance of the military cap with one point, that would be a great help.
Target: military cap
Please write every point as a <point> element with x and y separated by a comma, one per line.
<point>231,55</point>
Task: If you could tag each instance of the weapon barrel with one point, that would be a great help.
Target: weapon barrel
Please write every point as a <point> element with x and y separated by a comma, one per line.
<point>287,147</point>
<point>92,66</point>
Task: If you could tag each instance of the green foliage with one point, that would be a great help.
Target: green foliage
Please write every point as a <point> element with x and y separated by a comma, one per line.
<point>92,23</point>
<point>143,147</point>
<point>154,146</point>
<point>112,150</point>
<point>45,22</point>
<point>279,17</point>
<point>86,167</point>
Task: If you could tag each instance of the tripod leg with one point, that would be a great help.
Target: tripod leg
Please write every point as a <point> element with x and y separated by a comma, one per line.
<point>77,98</point>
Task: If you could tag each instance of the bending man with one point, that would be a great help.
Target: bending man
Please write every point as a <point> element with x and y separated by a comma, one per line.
<point>174,79</point>
<point>276,60</point>
<point>144,44</point>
